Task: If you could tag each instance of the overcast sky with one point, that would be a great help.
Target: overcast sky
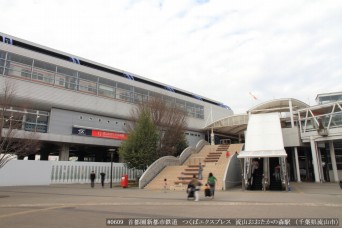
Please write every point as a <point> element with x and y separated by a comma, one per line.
<point>224,50</point>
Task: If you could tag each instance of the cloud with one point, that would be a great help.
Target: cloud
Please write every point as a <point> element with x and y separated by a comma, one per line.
<point>218,49</point>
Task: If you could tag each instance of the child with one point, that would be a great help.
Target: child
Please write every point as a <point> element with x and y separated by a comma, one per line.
<point>207,192</point>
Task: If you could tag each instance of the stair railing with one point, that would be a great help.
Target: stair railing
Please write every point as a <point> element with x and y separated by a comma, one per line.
<point>156,167</point>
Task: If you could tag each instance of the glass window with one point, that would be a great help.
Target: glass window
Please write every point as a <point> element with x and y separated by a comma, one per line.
<point>107,82</point>
<point>18,66</point>
<point>26,73</point>
<point>2,54</point>
<point>87,86</point>
<point>107,91</point>
<point>87,77</point>
<point>169,100</point>
<point>43,72</point>
<point>87,83</point>
<point>45,66</point>
<point>19,59</point>
<point>124,86</point>
<point>66,71</point>
<point>140,95</point>
<point>67,78</point>
<point>123,92</point>
<point>2,61</point>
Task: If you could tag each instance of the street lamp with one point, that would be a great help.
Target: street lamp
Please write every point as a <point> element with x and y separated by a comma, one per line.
<point>111,166</point>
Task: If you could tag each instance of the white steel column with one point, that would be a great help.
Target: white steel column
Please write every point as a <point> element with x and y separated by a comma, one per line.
<point>297,165</point>
<point>333,160</point>
<point>314,158</point>
<point>212,137</point>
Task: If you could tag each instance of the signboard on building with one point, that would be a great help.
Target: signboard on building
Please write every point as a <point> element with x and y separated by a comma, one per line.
<point>98,133</point>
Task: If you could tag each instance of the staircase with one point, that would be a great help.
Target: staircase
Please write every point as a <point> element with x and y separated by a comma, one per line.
<point>188,174</point>
<point>215,155</point>
<point>178,177</point>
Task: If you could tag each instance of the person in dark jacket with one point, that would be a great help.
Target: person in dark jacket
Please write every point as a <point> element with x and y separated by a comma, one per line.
<point>92,179</point>
<point>103,175</point>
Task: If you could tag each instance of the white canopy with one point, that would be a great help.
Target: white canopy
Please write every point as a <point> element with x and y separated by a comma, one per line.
<point>264,137</point>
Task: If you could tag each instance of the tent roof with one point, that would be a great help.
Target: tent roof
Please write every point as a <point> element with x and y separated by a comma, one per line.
<point>262,154</point>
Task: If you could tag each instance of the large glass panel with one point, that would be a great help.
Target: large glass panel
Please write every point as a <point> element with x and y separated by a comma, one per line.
<point>2,54</point>
<point>66,78</point>
<point>123,92</point>
<point>180,104</point>
<point>199,110</point>
<point>140,95</point>
<point>2,61</point>
<point>87,83</point>
<point>170,101</point>
<point>105,81</point>
<point>43,72</point>
<point>107,91</point>
<point>18,66</point>
<point>19,59</point>
<point>190,108</point>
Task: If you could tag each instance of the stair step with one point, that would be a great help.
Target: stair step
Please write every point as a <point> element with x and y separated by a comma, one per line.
<point>185,173</point>
<point>211,160</point>
<point>193,166</point>
<point>182,182</point>
<point>184,178</point>
<point>187,169</point>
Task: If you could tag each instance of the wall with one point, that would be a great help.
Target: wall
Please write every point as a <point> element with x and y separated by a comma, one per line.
<point>34,172</point>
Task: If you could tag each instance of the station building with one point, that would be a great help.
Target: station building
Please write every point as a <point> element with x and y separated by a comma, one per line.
<point>79,108</point>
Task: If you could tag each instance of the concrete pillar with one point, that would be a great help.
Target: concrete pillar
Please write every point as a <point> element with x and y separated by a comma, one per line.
<point>314,158</point>
<point>64,152</point>
<point>333,161</point>
<point>297,171</point>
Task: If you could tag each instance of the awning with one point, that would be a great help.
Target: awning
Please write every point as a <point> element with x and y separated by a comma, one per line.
<point>262,154</point>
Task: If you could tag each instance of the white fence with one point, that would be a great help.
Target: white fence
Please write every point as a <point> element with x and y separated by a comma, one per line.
<point>27,172</point>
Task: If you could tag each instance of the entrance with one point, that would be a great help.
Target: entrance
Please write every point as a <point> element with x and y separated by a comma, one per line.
<point>275,174</point>
<point>257,174</point>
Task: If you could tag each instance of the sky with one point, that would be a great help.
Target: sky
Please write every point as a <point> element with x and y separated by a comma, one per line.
<point>241,53</point>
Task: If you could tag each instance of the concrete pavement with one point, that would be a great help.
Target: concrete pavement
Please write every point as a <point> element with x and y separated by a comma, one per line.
<point>81,206</point>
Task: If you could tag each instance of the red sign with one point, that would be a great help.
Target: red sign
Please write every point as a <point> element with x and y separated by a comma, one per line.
<point>108,135</point>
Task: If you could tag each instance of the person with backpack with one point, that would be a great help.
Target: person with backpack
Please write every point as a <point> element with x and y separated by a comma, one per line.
<point>211,182</point>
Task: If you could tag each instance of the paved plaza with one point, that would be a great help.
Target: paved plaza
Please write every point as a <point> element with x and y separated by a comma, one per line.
<point>81,206</point>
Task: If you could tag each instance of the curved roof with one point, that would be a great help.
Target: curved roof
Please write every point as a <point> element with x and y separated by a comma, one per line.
<point>237,124</point>
<point>278,105</point>
<point>230,125</point>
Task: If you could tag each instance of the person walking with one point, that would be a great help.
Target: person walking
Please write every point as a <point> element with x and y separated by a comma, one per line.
<point>197,185</point>
<point>200,171</point>
<point>212,181</point>
<point>92,179</point>
<point>103,175</point>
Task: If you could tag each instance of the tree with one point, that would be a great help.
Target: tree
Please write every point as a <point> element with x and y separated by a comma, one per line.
<point>170,121</point>
<point>13,141</point>
<point>140,149</point>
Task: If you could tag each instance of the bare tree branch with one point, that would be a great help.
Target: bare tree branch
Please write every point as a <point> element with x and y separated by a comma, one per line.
<point>13,141</point>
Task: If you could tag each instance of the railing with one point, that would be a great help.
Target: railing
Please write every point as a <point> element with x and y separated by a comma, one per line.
<point>78,172</point>
<point>157,166</point>
<point>61,172</point>
<point>322,119</point>
<point>190,150</point>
